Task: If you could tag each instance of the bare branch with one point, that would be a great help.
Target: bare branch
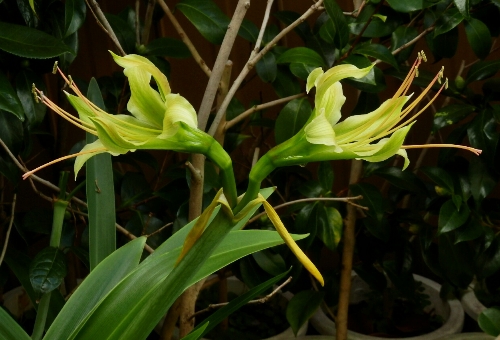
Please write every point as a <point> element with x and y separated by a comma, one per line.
<point>148,20</point>
<point>103,22</point>
<point>7,235</point>
<point>258,42</point>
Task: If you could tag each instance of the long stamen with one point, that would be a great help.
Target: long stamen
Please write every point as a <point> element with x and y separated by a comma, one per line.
<point>477,152</point>
<point>409,77</point>
<point>31,172</point>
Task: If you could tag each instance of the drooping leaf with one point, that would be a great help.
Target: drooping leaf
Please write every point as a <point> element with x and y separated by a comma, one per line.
<point>29,42</point>
<point>450,218</point>
<point>301,307</point>
<point>74,17</point>
<point>479,37</point>
<point>339,24</point>
<point>167,47</point>
<point>47,270</point>
<point>291,119</point>
<point>208,19</point>
<point>9,101</point>
<point>483,70</point>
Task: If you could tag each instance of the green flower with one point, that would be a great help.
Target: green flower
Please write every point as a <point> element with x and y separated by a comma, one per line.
<point>159,120</point>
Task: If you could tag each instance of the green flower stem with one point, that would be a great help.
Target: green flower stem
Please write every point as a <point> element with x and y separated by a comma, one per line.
<point>41,317</point>
<point>221,158</point>
<point>57,222</point>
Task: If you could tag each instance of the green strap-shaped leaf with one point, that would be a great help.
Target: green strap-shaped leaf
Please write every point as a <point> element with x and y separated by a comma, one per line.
<point>100,195</point>
<point>10,329</point>
<point>29,43</point>
<point>208,19</point>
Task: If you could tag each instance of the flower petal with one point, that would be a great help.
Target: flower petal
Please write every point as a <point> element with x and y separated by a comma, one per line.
<point>313,76</point>
<point>133,60</point>
<point>178,109</point>
<point>80,160</point>
<point>113,140</point>
<point>332,102</point>
<point>402,153</point>
<point>84,111</point>
<point>280,228</point>
<point>319,131</point>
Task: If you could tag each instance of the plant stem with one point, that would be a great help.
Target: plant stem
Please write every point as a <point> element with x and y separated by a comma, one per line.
<point>41,317</point>
<point>103,22</point>
<point>7,235</point>
<point>349,240</point>
<point>148,20</point>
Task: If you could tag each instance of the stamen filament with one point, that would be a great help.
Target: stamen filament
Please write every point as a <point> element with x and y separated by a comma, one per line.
<point>477,152</point>
<point>31,172</point>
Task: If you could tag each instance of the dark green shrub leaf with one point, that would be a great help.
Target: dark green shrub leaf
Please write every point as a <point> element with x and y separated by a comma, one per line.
<point>482,135</point>
<point>124,32</point>
<point>302,55</point>
<point>248,31</point>
<point>469,231</point>
<point>367,102</point>
<point>266,68</point>
<point>9,101</point>
<point>455,261</point>
<point>405,180</point>
<point>450,218</point>
<point>377,51</point>
<point>208,19</point>
<point>285,84</point>
<point>481,180</point>
<point>272,263</point>
<point>167,47</point>
<point>479,37</point>
<point>448,21</point>
<point>341,30</point>
<point>463,7</point>
<point>35,112</point>
<point>409,5</point>
<point>401,36</point>
<point>483,70</point>
<point>329,226</point>
<point>11,131</point>
<point>489,321</point>
<point>301,307</point>
<point>301,70</point>
<point>74,16</point>
<point>291,119</point>
<point>47,270</point>
<point>445,45</point>
<point>451,114</point>
<point>29,43</point>
<point>326,175</point>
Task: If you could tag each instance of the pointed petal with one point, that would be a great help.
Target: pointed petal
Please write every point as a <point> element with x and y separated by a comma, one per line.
<point>84,111</point>
<point>178,109</point>
<point>319,131</point>
<point>133,60</point>
<point>280,228</point>
<point>387,147</point>
<point>332,101</point>
<point>402,153</point>
<point>80,160</point>
<point>313,76</point>
<point>112,139</point>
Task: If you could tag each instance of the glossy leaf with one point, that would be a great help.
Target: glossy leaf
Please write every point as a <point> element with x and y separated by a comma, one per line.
<point>291,119</point>
<point>409,5</point>
<point>404,180</point>
<point>35,112</point>
<point>9,101</point>
<point>450,218</point>
<point>401,36</point>
<point>377,51</point>
<point>167,47</point>
<point>285,83</point>
<point>301,70</point>
<point>341,30</point>
<point>208,19</point>
<point>100,195</point>
<point>489,321</point>
<point>481,179</point>
<point>440,177</point>
<point>29,42</point>
<point>469,231</point>
<point>248,31</point>
<point>479,37</point>
<point>464,7</point>
<point>10,329</point>
<point>329,227</point>
<point>451,114</point>
<point>302,55</point>
<point>271,263</point>
<point>447,21</point>
<point>74,17</point>
<point>301,307</point>
<point>483,70</point>
<point>266,68</point>
<point>326,175</point>
<point>47,270</point>
<point>124,32</point>
<point>482,135</point>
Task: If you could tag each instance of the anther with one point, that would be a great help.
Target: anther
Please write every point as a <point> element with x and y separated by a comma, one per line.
<point>446,84</point>
<point>70,80</point>
<point>54,69</point>
<point>416,72</point>
<point>424,57</point>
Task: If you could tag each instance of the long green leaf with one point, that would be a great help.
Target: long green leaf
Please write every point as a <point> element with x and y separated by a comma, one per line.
<point>100,195</point>
<point>110,271</point>
<point>10,329</point>
<point>29,43</point>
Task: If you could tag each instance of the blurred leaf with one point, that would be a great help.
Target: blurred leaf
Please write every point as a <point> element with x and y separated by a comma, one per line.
<point>266,68</point>
<point>29,43</point>
<point>326,175</point>
<point>248,31</point>
<point>451,114</point>
<point>302,55</point>
<point>409,5</point>
<point>301,307</point>
<point>479,37</point>
<point>376,51</point>
<point>450,218</point>
<point>287,17</point>
<point>124,32</point>
<point>207,17</point>
<point>9,100</point>
<point>301,70</point>
<point>376,28</point>
<point>489,321</point>
<point>74,17</point>
<point>329,227</point>
<point>463,7</point>
<point>337,18</point>
<point>481,180</point>
<point>167,47</point>
<point>47,271</point>
<point>270,262</point>
<point>307,222</point>
<point>372,199</point>
<point>291,119</point>
<point>404,180</point>
<point>35,112</point>
<point>469,231</point>
<point>483,135</point>
<point>134,188</point>
<point>455,261</point>
<point>10,329</point>
<point>11,132</point>
<point>327,51</point>
<point>447,21</point>
<point>27,11</point>
<point>285,84</point>
<point>445,45</point>
<point>483,70</point>
<point>440,177</point>
<point>401,36</point>
<point>311,188</point>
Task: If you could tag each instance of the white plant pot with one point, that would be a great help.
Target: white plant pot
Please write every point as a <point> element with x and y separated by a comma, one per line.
<point>468,336</point>
<point>451,311</point>
<point>17,301</point>
<point>472,306</point>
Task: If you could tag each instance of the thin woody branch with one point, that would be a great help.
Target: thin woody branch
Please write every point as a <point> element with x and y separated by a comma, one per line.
<point>103,22</point>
